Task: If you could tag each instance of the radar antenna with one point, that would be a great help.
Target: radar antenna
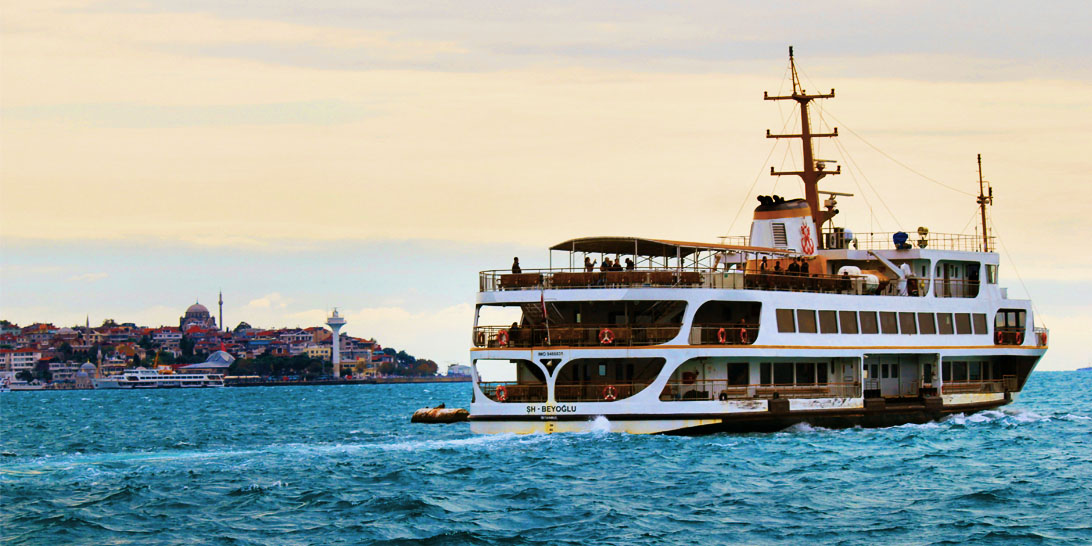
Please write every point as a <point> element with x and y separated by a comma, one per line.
<point>985,198</point>
<point>814,170</point>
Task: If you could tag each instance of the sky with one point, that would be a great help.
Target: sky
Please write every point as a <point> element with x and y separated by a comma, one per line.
<point>376,156</point>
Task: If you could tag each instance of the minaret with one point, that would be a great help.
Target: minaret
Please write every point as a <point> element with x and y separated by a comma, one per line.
<point>222,311</point>
<point>335,322</point>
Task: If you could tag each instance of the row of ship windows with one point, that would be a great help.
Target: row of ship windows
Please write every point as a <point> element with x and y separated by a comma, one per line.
<point>810,321</point>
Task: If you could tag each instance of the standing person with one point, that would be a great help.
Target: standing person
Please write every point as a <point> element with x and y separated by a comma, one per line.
<point>589,265</point>
<point>793,268</point>
<point>617,266</point>
<point>804,269</point>
<point>515,266</point>
<point>762,268</point>
<point>606,265</point>
<point>629,265</point>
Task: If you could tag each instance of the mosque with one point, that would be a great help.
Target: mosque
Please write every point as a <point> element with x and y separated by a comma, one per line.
<point>199,315</point>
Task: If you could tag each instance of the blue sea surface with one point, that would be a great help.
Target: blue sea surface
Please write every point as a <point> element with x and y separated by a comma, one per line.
<point>343,465</point>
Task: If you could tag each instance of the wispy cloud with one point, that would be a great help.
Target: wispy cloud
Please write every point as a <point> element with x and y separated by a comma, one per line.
<point>88,277</point>
<point>269,301</point>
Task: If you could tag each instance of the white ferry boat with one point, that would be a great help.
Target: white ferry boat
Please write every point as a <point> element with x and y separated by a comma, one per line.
<point>800,321</point>
<point>143,378</point>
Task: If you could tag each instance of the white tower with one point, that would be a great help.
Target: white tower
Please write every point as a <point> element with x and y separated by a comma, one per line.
<point>335,322</point>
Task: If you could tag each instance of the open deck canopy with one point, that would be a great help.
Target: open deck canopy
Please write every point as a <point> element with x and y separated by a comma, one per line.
<point>636,246</point>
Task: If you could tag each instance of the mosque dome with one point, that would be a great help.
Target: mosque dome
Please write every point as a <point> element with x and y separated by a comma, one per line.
<point>66,332</point>
<point>197,310</point>
<point>87,367</point>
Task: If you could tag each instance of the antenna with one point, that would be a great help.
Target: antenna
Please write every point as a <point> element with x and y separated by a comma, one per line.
<point>985,198</point>
<point>814,170</point>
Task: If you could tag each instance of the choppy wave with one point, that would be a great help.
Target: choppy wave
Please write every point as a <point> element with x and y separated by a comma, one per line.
<point>343,465</point>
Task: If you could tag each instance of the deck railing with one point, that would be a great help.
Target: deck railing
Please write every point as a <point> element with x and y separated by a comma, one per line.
<point>574,335</point>
<point>933,241</point>
<point>510,391</point>
<point>723,334</point>
<point>985,385</point>
<point>596,392</point>
<point>720,389</point>
<point>1008,335</point>
<point>956,288</point>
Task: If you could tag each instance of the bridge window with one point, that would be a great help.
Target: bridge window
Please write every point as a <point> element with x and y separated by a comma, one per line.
<point>785,322</point>
<point>889,322</point>
<point>869,324</point>
<point>926,324</point>
<point>848,320</point>
<point>805,319</point>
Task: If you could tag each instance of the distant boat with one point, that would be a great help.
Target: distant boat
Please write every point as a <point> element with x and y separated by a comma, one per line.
<point>1085,369</point>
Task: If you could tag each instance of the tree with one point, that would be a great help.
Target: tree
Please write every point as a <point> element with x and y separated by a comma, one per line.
<point>186,345</point>
<point>25,375</point>
<point>136,360</point>
<point>145,342</point>
<point>66,351</point>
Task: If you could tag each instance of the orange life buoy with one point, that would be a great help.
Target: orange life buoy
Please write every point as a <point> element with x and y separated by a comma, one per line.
<point>502,338</point>
<point>479,339</point>
<point>502,393</point>
<point>1000,337</point>
<point>1019,338</point>
<point>610,393</point>
<point>722,335</point>
<point>606,336</point>
<point>1042,339</point>
<point>744,337</point>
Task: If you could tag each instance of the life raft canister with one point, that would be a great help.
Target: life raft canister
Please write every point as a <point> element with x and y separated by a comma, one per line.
<point>610,393</point>
<point>744,337</point>
<point>502,338</point>
<point>502,393</point>
<point>606,336</point>
<point>722,336</point>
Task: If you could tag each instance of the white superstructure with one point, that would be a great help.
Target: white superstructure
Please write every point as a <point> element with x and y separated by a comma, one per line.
<point>142,378</point>
<point>793,323</point>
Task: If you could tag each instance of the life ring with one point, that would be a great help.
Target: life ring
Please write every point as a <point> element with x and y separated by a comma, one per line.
<point>479,339</point>
<point>502,338</point>
<point>610,393</point>
<point>606,336</point>
<point>1019,338</point>
<point>722,335</point>
<point>1000,337</point>
<point>502,393</point>
<point>723,396</point>
<point>744,337</point>
<point>1042,339</point>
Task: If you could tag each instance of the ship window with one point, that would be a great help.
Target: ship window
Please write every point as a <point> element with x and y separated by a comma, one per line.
<point>828,322</point>
<point>991,274</point>
<point>782,373</point>
<point>739,373</point>
<point>868,323</point>
<point>821,373</point>
<point>944,323</point>
<point>947,371</point>
<point>906,323</point>
<point>884,371</point>
<point>806,319</point>
<point>974,370</point>
<point>779,237</point>
<point>849,321</point>
<point>888,322</point>
<point>926,325</point>
<point>959,371</point>
<point>785,322</point>
<point>980,324</point>
<point>805,373</point>
<point>765,376</point>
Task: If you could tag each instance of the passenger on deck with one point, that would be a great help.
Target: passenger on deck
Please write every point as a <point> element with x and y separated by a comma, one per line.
<point>803,268</point>
<point>776,267</point>
<point>515,266</point>
<point>630,265</point>
<point>793,268</point>
<point>617,265</point>
<point>589,265</point>
<point>606,265</point>
<point>764,266</point>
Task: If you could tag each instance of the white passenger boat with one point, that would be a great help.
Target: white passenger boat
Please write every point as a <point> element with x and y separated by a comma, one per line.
<point>872,330</point>
<point>142,378</point>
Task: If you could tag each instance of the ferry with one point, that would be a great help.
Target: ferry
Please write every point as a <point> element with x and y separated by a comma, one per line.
<point>800,321</point>
<point>143,378</point>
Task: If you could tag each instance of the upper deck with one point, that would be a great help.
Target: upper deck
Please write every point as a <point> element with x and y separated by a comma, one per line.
<point>945,265</point>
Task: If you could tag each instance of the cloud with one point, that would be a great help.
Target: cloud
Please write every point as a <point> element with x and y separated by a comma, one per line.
<point>88,277</point>
<point>269,301</point>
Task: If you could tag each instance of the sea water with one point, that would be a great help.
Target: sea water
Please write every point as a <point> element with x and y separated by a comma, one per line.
<point>343,465</point>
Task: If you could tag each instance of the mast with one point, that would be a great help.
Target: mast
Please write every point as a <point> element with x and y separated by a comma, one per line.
<point>984,198</point>
<point>814,170</point>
